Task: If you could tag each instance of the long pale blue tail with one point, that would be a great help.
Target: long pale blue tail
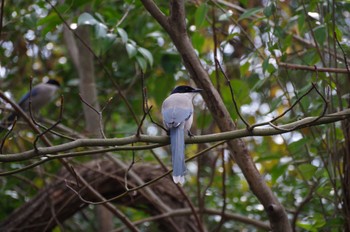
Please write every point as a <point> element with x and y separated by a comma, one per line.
<point>178,153</point>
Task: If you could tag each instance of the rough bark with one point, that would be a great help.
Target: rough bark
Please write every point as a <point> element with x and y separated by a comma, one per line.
<point>84,63</point>
<point>56,203</point>
<point>175,25</point>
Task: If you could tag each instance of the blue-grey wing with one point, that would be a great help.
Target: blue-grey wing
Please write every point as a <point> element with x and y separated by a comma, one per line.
<point>23,102</point>
<point>173,116</point>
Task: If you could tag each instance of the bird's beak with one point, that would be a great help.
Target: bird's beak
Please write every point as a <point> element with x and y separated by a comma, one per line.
<point>197,90</point>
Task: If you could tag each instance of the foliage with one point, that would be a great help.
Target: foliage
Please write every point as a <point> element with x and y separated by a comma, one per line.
<point>304,168</point>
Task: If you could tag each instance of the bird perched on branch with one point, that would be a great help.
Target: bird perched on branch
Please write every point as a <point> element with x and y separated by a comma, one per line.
<point>177,111</point>
<point>40,95</point>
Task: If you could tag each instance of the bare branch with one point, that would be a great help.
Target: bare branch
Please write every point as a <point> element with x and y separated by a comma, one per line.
<point>312,68</point>
<point>99,113</point>
<point>164,140</point>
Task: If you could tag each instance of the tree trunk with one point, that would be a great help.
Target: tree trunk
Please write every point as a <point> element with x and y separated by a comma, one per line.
<point>175,25</point>
<point>56,203</point>
<point>84,63</point>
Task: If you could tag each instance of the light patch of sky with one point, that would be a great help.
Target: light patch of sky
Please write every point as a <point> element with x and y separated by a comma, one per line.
<point>346,15</point>
<point>257,42</point>
<point>264,108</point>
<point>228,49</point>
<point>178,75</point>
<point>73,26</point>
<point>252,108</point>
<point>46,52</point>
<point>314,15</point>
<point>158,36</point>
<point>32,51</point>
<point>316,162</point>
<point>152,130</point>
<point>285,160</point>
<point>232,29</point>
<point>219,57</point>
<point>30,35</point>
<point>49,46</point>
<point>62,60</point>
<point>14,14</point>
<point>3,72</point>
<point>278,93</point>
<point>192,28</point>
<point>290,87</point>
<point>192,167</point>
<point>36,66</point>
<point>160,41</point>
<point>277,139</point>
<point>40,11</point>
<point>198,101</point>
<point>12,194</point>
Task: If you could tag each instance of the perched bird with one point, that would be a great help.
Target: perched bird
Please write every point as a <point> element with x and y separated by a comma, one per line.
<point>177,111</point>
<point>40,95</point>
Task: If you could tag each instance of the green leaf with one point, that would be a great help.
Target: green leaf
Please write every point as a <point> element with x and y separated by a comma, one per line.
<point>265,64</point>
<point>320,34</point>
<point>131,50</point>
<point>49,23</point>
<point>198,41</point>
<point>301,22</point>
<point>313,222</point>
<point>311,57</point>
<point>142,63</point>
<point>278,170</point>
<point>200,14</point>
<point>244,2</point>
<point>269,10</point>
<point>307,170</point>
<point>297,146</point>
<point>249,13</point>
<point>241,91</point>
<point>146,54</point>
<point>100,30</point>
<point>225,16</point>
<point>86,19</point>
<point>244,68</point>
<point>338,33</point>
<point>123,35</point>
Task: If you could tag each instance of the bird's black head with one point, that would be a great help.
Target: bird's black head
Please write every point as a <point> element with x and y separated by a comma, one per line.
<point>185,89</point>
<point>53,82</point>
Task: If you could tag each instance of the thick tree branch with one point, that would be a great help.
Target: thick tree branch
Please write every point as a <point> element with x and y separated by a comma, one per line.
<point>120,143</point>
<point>156,13</point>
<point>108,180</point>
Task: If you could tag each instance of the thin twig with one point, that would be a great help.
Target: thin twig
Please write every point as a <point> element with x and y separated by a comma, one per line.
<point>232,94</point>
<point>99,113</point>
<point>285,112</point>
<point>224,202</point>
<point>312,68</point>
<point>59,120</point>
<point>344,54</point>
<point>127,171</point>
<point>141,186</point>
<point>7,134</point>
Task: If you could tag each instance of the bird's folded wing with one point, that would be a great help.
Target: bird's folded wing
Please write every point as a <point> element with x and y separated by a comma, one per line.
<point>173,116</point>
